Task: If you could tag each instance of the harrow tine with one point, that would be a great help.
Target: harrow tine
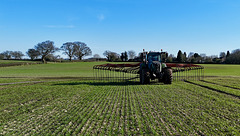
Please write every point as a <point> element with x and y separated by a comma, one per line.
<point>121,73</point>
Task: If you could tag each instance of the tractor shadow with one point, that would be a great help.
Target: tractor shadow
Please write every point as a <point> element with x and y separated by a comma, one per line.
<point>101,83</point>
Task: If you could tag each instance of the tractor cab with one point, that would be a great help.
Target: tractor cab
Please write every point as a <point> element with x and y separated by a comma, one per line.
<point>156,60</point>
<point>154,56</point>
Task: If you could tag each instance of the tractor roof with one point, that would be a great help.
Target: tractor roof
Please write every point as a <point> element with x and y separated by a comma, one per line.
<point>154,52</point>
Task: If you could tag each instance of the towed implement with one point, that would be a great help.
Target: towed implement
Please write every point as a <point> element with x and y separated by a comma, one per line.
<point>152,67</point>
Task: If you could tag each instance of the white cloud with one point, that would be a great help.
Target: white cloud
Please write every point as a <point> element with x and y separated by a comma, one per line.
<point>59,26</point>
<point>101,17</point>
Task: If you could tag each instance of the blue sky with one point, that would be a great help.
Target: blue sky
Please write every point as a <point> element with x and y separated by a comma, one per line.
<point>202,26</point>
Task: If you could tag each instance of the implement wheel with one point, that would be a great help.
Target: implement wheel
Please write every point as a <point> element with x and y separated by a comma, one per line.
<point>167,79</point>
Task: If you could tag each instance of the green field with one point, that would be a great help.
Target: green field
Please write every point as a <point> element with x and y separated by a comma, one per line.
<point>10,61</point>
<point>16,61</point>
<point>59,100</point>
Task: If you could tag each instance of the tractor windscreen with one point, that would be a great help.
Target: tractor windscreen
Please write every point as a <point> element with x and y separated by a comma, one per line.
<point>154,57</point>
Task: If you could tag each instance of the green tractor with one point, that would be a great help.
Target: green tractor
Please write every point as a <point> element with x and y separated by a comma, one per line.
<point>153,67</point>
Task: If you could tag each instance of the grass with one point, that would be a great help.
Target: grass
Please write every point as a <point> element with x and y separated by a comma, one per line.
<point>70,106</point>
<point>75,69</point>
<point>87,108</point>
<point>222,70</point>
<point>15,61</point>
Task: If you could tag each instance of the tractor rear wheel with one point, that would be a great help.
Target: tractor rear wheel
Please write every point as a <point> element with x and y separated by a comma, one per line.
<point>167,79</point>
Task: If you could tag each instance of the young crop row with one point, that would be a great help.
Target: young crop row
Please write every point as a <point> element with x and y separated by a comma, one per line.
<point>195,109</point>
<point>87,108</point>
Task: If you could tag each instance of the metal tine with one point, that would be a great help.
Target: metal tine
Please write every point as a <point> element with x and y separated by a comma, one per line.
<point>106,70</point>
<point>99,76</point>
<point>103,74</point>
<point>111,74</point>
<point>108,74</point>
<point>195,74</point>
<point>185,73</point>
<point>97,70</point>
<point>122,74</point>
<point>177,72</point>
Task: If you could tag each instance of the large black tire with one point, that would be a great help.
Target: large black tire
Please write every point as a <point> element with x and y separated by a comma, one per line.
<point>160,79</point>
<point>141,76</point>
<point>147,77</point>
<point>144,76</point>
<point>167,77</point>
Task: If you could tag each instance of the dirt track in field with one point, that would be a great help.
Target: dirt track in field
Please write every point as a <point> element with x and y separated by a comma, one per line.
<point>22,82</point>
<point>213,89</point>
<point>220,84</point>
<point>47,79</point>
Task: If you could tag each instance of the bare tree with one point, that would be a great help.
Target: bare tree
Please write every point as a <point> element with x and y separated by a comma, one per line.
<point>17,54</point>
<point>203,55</point>
<point>131,54</point>
<point>52,57</point>
<point>45,48</point>
<point>96,56</point>
<point>32,53</point>
<point>190,54</point>
<point>69,49</point>
<point>7,54</point>
<point>106,53</point>
<point>222,55</point>
<point>1,56</point>
<point>111,56</point>
<point>81,50</point>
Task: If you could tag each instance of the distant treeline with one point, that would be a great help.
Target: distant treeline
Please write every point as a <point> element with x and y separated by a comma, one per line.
<point>44,51</point>
<point>223,58</point>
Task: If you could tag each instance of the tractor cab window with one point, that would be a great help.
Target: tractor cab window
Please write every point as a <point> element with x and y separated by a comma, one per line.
<point>154,57</point>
